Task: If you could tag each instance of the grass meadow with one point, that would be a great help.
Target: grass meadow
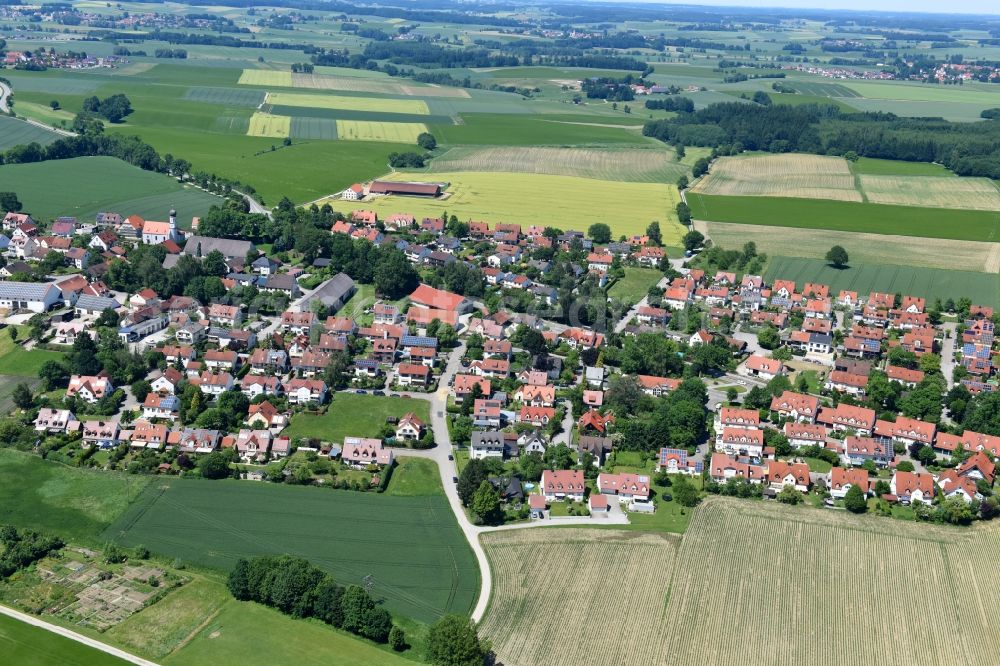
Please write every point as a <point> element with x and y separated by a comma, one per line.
<point>973,225</point>
<point>635,285</point>
<point>353,415</point>
<point>566,585</point>
<point>929,283</point>
<point>88,185</point>
<point>716,618</point>
<point>565,202</point>
<point>411,545</point>
<point>75,503</point>
<point>26,645</point>
<point>254,635</point>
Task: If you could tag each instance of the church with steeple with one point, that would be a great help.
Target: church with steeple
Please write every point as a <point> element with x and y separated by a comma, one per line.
<point>154,233</point>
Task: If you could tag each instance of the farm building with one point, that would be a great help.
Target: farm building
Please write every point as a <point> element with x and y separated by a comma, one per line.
<point>406,189</point>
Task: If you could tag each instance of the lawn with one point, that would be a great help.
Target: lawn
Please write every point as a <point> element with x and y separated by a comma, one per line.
<point>565,202</point>
<point>848,216</point>
<point>412,547</point>
<point>353,415</point>
<point>25,645</point>
<point>88,185</point>
<point>250,634</point>
<point>634,286</point>
<point>930,283</point>
<point>73,503</point>
<point>415,477</point>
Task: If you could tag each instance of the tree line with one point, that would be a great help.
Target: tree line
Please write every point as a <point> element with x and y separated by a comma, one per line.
<point>968,149</point>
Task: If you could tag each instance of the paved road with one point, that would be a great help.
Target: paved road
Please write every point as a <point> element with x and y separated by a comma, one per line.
<point>72,635</point>
<point>255,206</point>
<point>4,95</point>
<point>948,352</point>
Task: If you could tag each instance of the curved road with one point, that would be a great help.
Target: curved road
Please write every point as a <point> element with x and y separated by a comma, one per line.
<point>4,95</point>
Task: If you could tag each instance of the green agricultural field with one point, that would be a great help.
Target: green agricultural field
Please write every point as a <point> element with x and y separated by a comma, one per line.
<point>354,415</point>
<point>484,129</point>
<point>313,128</point>
<point>15,132</point>
<point>876,167</point>
<point>7,385</point>
<point>253,635</point>
<point>226,96</point>
<point>931,283</point>
<point>74,503</point>
<point>262,77</point>
<point>634,286</point>
<point>565,202</point>
<point>848,216</point>
<point>26,645</point>
<point>265,124</point>
<point>648,165</point>
<point>412,546</point>
<point>89,185</point>
<point>21,363</point>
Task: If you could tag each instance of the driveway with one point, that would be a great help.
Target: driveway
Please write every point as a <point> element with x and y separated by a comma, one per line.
<point>948,352</point>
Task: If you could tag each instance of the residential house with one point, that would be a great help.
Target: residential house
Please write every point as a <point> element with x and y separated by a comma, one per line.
<point>858,450</point>
<point>722,468</point>
<point>860,420</point>
<point>102,434</point>
<point>761,367</point>
<point>305,391</point>
<point>677,461</point>
<point>781,474</point>
<point>361,452</point>
<point>626,486</point>
<point>54,420</point>
<point>409,374</point>
<point>804,434</point>
<point>157,406</point>
<point>796,406</point>
<point>89,388</point>
<point>410,428</point>
<point>909,487</point>
<point>842,479</point>
<point>741,442</point>
<point>559,485</point>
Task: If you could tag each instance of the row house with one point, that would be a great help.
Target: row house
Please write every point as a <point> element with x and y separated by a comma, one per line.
<point>492,444</point>
<point>858,450</point>
<point>101,434</point>
<point>51,420</point>
<point>780,474</point>
<point>268,361</point>
<point>741,442</point>
<point>736,417</point>
<point>906,431</point>
<point>146,435</point>
<point>194,440</point>
<point>904,376</point>
<point>306,391</point>
<point>254,386</point>
<point>804,434</point>
<point>796,406</point>
<point>841,479</point>
<point>912,487</point>
<point>846,382</point>
<point>213,384</point>
<point>157,406</point>
<point>947,443</point>
<point>860,420</point>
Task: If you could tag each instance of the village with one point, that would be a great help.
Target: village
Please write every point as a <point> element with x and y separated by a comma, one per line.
<point>797,394</point>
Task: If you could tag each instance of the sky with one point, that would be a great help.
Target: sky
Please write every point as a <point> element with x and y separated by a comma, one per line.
<point>928,6</point>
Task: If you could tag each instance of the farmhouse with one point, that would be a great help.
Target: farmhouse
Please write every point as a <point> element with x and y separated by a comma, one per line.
<point>33,296</point>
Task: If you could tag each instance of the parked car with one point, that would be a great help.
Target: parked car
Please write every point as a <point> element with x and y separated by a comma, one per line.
<point>360,392</point>
<point>378,392</point>
<point>451,457</point>
<point>454,479</point>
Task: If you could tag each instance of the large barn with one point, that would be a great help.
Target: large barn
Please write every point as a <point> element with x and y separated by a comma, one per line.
<point>406,189</point>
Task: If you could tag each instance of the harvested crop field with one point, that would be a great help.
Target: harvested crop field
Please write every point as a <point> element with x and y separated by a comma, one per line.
<point>265,77</point>
<point>265,124</point>
<point>862,248</point>
<point>563,597</point>
<point>940,192</point>
<point>630,165</point>
<point>792,175</point>
<point>755,578</point>
<point>368,85</point>
<point>373,104</point>
<point>370,130</point>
